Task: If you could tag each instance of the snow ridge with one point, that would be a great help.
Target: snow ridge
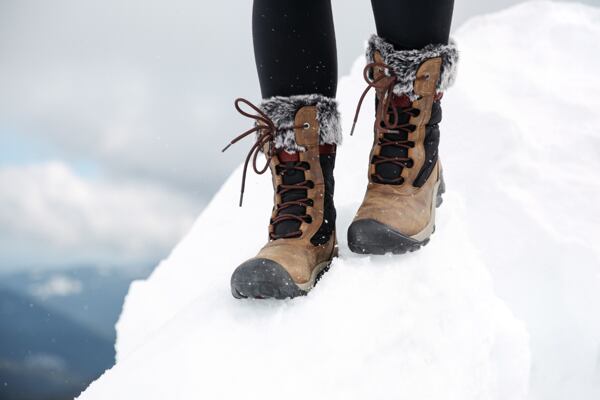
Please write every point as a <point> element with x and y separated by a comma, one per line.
<point>497,306</point>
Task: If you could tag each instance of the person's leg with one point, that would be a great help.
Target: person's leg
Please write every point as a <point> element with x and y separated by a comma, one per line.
<point>294,47</point>
<point>413,24</point>
<point>297,124</point>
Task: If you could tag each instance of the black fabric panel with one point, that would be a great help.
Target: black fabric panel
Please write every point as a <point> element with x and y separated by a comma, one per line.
<point>389,170</point>
<point>291,177</point>
<point>431,143</point>
<point>328,226</point>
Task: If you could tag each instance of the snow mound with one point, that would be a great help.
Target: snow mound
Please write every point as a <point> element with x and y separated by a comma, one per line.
<point>505,287</point>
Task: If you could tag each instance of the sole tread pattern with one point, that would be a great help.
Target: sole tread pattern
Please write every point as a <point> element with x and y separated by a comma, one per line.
<point>264,279</point>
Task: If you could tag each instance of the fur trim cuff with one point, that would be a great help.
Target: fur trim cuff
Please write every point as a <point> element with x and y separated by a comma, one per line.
<point>405,63</point>
<point>282,111</point>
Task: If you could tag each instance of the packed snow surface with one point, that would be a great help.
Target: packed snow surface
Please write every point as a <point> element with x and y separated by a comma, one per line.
<point>503,302</point>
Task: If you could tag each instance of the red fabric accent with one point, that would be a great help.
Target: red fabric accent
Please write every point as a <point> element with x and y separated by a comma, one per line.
<point>327,148</point>
<point>284,156</point>
<point>438,96</point>
<point>401,101</point>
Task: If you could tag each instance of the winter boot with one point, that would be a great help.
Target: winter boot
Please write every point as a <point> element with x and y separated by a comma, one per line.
<point>405,175</point>
<point>298,135</point>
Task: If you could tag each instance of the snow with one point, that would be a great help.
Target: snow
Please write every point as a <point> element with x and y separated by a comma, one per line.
<point>502,304</point>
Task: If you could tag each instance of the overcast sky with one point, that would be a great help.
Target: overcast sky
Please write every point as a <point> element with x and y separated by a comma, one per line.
<point>113,114</point>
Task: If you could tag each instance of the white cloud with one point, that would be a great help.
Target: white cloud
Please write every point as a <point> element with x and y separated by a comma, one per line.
<point>56,286</point>
<point>49,216</point>
<point>144,89</point>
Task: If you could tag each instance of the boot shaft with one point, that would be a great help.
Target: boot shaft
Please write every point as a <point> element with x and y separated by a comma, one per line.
<point>409,87</point>
<point>298,135</point>
<point>303,181</point>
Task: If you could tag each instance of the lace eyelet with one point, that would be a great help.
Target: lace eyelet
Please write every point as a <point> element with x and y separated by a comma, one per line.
<point>311,184</point>
<point>306,125</point>
<point>308,219</point>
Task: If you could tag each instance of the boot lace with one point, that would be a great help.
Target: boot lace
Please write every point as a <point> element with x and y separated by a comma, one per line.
<point>389,116</point>
<point>266,133</point>
<point>284,211</point>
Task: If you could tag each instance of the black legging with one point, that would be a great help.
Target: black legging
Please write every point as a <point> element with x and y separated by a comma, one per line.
<point>294,40</point>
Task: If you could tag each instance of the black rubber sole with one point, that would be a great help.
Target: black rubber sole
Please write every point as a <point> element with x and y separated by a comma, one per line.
<point>369,236</point>
<point>261,278</point>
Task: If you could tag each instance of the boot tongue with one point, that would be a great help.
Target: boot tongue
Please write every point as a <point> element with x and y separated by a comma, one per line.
<point>389,170</point>
<point>290,177</point>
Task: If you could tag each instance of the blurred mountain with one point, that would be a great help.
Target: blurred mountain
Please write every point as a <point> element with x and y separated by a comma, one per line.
<point>90,296</point>
<point>43,354</point>
<point>57,329</point>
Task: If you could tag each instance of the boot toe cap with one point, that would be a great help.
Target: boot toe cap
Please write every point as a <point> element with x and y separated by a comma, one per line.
<point>261,278</point>
<point>368,236</point>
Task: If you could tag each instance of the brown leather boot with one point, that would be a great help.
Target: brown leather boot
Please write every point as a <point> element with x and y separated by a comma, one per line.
<point>298,135</point>
<point>405,174</point>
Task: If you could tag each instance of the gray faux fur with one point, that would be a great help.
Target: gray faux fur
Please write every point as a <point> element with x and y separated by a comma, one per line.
<point>405,63</point>
<point>282,111</point>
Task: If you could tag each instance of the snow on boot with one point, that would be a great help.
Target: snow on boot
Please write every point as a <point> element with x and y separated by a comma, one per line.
<point>298,135</point>
<point>405,176</point>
